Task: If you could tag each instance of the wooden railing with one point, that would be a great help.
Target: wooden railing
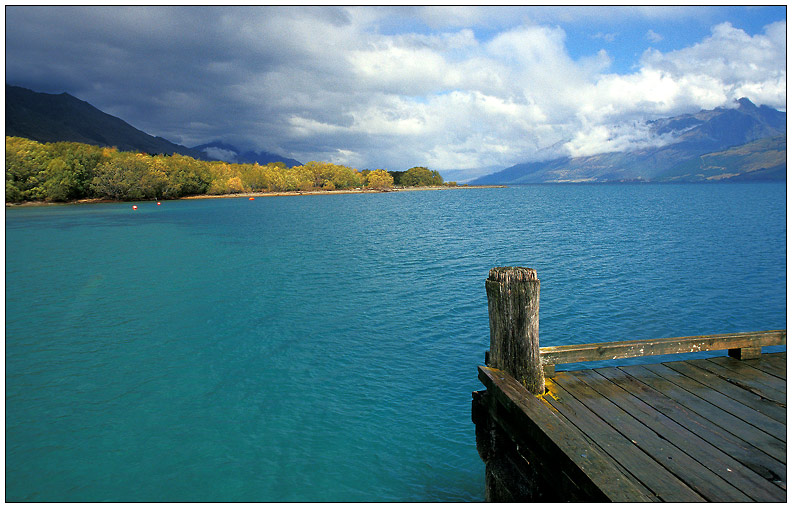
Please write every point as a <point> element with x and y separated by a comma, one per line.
<point>513,301</point>
<point>740,345</point>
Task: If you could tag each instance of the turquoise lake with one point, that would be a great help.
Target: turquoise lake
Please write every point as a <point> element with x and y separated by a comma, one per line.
<point>324,348</point>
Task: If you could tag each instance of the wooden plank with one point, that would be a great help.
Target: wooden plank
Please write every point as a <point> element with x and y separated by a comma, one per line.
<point>772,363</point>
<point>767,407</point>
<point>602,445</point>
<point>647,471</point>
<point>711,486</point>
<point>744,382</point>
<point>722,452</point>
<point>746,370</point>
<point>748,482</point>
<point>728,404</point>
<point>555,355</point>
<point>556,438</point>
<point>715,415</point>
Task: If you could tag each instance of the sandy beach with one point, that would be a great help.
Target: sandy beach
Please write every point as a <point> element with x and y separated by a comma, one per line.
<point>361,190</point>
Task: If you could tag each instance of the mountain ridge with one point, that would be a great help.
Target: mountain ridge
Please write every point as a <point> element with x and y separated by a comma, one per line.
<point>50,118</point>
<point>695,136</point>
<point>62,117</point>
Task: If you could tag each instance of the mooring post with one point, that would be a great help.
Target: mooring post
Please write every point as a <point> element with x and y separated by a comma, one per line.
<point>513,301</point>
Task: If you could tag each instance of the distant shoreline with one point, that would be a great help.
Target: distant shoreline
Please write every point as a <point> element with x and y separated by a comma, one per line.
<point>361,190</point>
<point>259,194</point>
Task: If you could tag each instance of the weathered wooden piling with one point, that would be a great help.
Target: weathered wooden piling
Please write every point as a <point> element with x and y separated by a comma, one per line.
<point>513,301</point>
<point>709,429</point>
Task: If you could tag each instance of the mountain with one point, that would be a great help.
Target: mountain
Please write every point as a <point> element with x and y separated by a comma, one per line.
<point>48,118</point>
<point>763,159</point>
<point>61,117</point>
<point>217,150</point>
<point>747,142</point>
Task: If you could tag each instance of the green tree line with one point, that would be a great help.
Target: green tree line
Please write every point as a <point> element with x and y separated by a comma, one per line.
<point>419,176</point>
<point>66,171</point>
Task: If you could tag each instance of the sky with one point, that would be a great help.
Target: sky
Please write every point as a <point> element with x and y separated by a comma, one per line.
<point>467,88</point>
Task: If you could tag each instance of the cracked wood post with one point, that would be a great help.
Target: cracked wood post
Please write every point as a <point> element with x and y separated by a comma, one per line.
<point>513,301</point>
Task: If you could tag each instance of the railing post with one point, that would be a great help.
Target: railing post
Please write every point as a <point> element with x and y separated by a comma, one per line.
<point>513,301</point>
<point>746,353</point>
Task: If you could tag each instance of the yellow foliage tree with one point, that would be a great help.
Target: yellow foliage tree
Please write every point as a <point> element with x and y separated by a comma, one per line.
<point>379,179</point>
<point>234,185</point>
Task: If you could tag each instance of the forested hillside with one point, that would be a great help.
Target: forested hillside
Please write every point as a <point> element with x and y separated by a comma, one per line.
<point>66,171</point>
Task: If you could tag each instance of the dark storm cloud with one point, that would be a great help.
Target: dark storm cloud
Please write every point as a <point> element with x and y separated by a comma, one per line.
<point>130,61</point>
<point>159,68</point>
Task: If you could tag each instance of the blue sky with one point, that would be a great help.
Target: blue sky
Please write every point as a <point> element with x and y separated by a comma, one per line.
<point>674,32</point>
<point>453,88</point>
<point>623,31</point>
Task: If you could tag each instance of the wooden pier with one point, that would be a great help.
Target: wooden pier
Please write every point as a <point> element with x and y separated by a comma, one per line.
<point>711,429</point>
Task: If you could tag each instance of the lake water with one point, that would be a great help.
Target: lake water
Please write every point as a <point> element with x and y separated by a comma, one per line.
<point>324,348</point>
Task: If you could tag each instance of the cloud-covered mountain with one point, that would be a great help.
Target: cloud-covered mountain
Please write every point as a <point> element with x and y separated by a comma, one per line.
<point>217,150</point>
<point>746,142</point>
<point>61,117</point>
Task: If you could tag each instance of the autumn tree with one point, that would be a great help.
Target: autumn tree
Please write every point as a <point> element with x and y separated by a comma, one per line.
<point>274,177</point>
<point>186,176</point>
<point>379,179</point>
<point>226,179</point>
<point>121,176</point>
<point>70,170</point>
<point>26,165</point>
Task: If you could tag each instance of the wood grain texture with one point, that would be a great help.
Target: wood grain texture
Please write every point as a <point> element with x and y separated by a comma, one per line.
<point>555,355</point>
<point>513,303</point>
<point>703,481</point>
<point>742,452</point>
<point>660,482</point>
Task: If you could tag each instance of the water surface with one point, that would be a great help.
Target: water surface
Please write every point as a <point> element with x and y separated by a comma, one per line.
<point>323,348</point>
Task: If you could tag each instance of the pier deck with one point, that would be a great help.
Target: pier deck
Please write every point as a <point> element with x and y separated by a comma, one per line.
<point>699,430</point>
<point>707,429</point>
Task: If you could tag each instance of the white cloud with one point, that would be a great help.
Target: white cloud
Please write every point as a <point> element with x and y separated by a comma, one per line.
<point>595,139</point>
<point>402,70</point>
<point>607,37</point>
<point>220,153</point>
<point>306,127</point>
<point>728,64</point>
<point>653,36</point>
